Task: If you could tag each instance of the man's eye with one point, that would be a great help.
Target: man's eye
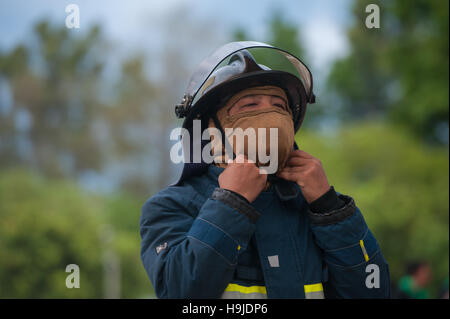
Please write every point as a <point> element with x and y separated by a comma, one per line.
<point>249,104</point>
<point>279,105</point>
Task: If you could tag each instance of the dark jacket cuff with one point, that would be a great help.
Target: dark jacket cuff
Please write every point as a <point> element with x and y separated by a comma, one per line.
<point>327,202</point>
<point>237,202</point>
<point>336,215</point>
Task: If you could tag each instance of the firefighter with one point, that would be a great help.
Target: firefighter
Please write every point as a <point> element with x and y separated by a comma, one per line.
<point>229,229</point>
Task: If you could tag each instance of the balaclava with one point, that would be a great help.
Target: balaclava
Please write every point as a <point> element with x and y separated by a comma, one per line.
<point>272,117</point>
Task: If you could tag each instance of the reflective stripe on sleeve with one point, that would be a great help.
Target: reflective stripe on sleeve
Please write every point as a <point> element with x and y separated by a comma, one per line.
<point>314,291</point>
<point>235,291</point>
<point>366,256</point>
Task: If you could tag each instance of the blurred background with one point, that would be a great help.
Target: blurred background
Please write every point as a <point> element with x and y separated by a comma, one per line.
<point>85,117</point>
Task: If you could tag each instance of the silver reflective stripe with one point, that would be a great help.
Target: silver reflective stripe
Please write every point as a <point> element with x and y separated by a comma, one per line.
<point>315,295</point>
<point>240,295</point>
<point>273,261</point>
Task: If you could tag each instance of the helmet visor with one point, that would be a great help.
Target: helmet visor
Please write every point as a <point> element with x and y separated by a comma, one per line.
<point>264,54</point>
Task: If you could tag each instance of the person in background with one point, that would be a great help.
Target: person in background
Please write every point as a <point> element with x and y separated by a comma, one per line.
<point>412,285</point>
<point>443,294</point>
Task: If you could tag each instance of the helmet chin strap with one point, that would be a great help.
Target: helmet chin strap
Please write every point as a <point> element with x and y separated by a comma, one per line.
<point>222,132</point>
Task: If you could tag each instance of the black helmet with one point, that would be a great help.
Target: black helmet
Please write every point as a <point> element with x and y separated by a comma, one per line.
<point>242,71</point>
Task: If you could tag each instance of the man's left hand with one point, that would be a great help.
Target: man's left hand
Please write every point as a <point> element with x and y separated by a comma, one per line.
<point>308,173</point>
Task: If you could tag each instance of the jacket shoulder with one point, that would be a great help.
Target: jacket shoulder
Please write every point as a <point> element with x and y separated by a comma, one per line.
<point>186,197</point>
<point>171,196</point>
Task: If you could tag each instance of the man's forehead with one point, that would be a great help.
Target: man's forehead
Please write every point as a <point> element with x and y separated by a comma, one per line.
<point>259,95</point>
<point>259,90</point>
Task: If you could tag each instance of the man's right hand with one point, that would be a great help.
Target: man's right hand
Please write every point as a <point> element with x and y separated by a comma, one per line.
<point>242,176</point>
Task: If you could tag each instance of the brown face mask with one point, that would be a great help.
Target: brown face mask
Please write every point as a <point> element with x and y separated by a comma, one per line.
<point>258,121</point>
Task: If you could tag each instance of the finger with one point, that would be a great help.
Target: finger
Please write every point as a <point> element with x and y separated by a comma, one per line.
<point>241,158</point>
<point>298,161</point>
<point>284,174</point>
<point>287,176</point>
<point>300,153</point>
<point>294,169</point>
<point>292,177</point>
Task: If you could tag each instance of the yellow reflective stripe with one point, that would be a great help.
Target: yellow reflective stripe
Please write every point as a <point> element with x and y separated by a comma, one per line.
<point>313,288</point>
<point>366,256</point>
<point>246,290</point>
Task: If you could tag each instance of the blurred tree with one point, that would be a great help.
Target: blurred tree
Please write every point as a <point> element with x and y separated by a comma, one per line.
<point>47,225</point>
<point>55,97</point>
<point>399,71</point>
<point>400,185</point>
<point>419,59</point>
<point>129,126</point>
<point>123,215</point>
<point>44,227</point>
<point>67,119</point>
<point>360,80</point>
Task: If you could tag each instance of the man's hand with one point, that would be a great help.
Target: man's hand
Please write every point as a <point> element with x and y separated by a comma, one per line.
<point>243,178</point>
<point>308,173</point>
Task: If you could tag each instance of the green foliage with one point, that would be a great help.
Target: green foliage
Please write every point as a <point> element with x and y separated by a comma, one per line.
<point>399,70</point>
<point>47,225</point>
<point>419,58</point>
<point>123,213</point>
<point>400,185</point>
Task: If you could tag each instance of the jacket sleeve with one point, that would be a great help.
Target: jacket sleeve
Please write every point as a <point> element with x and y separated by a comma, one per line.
<point>189,255</point>
<point>354,264</point>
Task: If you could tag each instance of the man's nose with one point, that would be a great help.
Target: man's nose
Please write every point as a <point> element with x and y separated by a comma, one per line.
<point>265,102</point>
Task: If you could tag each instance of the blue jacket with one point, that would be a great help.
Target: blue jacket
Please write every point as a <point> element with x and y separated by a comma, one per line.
<point>201,242</point>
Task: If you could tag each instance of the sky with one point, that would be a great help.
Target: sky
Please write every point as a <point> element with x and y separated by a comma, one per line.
<point>139,24</point>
